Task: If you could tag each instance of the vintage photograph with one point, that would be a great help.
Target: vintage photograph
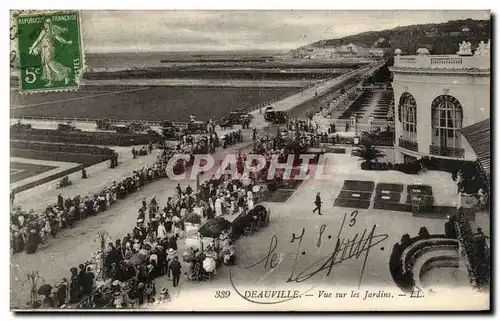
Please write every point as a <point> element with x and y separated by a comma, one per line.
<point>250,160</point>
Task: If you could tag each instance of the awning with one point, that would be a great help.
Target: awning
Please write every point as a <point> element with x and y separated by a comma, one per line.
<point>478,136</point>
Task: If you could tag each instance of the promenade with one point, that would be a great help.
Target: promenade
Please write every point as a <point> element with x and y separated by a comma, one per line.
<point>309,94</point>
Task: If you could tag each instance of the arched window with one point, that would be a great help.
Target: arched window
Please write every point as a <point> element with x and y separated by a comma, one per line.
<point>407,115</point>
<point>447,117</point>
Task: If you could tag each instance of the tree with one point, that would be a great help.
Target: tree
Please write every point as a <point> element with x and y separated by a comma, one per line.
<point>33,278</point>
<point>369,153</point>
<point>102,236</point>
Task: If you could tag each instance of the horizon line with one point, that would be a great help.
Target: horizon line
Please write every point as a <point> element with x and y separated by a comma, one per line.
<point>197,50</point>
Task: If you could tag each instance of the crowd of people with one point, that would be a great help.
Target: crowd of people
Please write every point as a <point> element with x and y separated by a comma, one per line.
<point>231,138</point>
<point>308,125</point>
<point>154,242</point>
<point>122,274</point>
<point>128,267</point>
<point>143,151</point>
<point>30,229</point>
<point>204,144</point>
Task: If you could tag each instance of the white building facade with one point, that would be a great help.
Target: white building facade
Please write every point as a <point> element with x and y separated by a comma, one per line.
<point>434,97</point>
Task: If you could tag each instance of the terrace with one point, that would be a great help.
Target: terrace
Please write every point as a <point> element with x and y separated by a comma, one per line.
<point>443,62</point>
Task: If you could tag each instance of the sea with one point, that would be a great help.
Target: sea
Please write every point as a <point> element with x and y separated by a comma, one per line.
<point>122,61</point>
<point>112,61</point>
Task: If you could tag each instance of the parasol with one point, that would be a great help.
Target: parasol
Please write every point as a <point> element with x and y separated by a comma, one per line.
<point>229,250</point>
<point>213,228</point>
<point>137,259</point>
<point>188,256</point>
<point>222,222</point>
<point>45,289</point>
<point>193,218</point>
<point>258,211</point>
<point>209,264</point>
<point>210,231</point>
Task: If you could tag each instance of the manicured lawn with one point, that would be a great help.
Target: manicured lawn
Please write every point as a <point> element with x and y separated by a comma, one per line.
<point>389,197</point>
<point>396,188</point>
<point>19,171</point>
<point>145,103</point>
<point>419,189</point>
<point>335,150</point>
<point>361,186</point>
<point>355,195</point>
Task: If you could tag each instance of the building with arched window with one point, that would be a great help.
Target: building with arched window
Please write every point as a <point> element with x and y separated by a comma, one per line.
<point>437,96</point>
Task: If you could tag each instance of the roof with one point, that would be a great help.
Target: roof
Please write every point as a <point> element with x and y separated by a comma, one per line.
<point>478,136</point>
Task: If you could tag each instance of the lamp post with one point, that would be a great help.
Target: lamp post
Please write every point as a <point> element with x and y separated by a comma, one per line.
<point>353,123</point>
<point>370,122</point>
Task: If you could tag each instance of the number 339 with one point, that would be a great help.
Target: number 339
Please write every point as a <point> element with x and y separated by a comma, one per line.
<point>222,294</point>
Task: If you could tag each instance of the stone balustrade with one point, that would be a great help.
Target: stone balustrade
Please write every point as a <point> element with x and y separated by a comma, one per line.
<point>449,62</point>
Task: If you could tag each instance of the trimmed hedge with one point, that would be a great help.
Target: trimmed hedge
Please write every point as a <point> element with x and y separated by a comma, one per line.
<point>65,148</point>
<point>82,137</point>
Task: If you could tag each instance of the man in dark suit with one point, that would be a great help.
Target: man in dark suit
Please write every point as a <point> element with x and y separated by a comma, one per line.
<point>318,202</point>
<point>175,267</point>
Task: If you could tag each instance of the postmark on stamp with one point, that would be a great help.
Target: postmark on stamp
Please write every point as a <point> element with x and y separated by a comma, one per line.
<point>50,51</point>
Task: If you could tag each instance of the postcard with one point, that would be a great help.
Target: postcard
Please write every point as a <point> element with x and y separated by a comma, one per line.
<point>250,160</point>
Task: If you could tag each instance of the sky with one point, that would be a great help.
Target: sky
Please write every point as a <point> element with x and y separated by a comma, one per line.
<point>149,31</point>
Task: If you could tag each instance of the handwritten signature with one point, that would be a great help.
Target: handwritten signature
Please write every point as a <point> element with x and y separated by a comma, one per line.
<point>345,248</point>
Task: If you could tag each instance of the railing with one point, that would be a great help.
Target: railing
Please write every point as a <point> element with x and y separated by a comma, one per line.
<point>378,140</point>
<point>93,120</point>
<point>376,86</point>
<point>446,151</point>
<point>443,62</point>
<point>408,144</point>
<point>446,61</point>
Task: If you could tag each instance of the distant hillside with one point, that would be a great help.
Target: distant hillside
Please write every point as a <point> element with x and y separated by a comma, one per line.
<point>439,38</point>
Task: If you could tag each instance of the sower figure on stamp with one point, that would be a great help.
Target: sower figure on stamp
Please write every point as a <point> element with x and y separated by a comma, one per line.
<point>317,202</point>
<point>44,46</point>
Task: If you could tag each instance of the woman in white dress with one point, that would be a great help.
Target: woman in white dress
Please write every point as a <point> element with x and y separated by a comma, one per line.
<point>250,203</point>
<point>233,206</point>
<point>218,207</point>
<point>44,47</point>
<point>161,231</point>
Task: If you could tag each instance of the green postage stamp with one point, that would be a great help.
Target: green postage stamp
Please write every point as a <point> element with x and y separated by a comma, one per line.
<point>50,51</point>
